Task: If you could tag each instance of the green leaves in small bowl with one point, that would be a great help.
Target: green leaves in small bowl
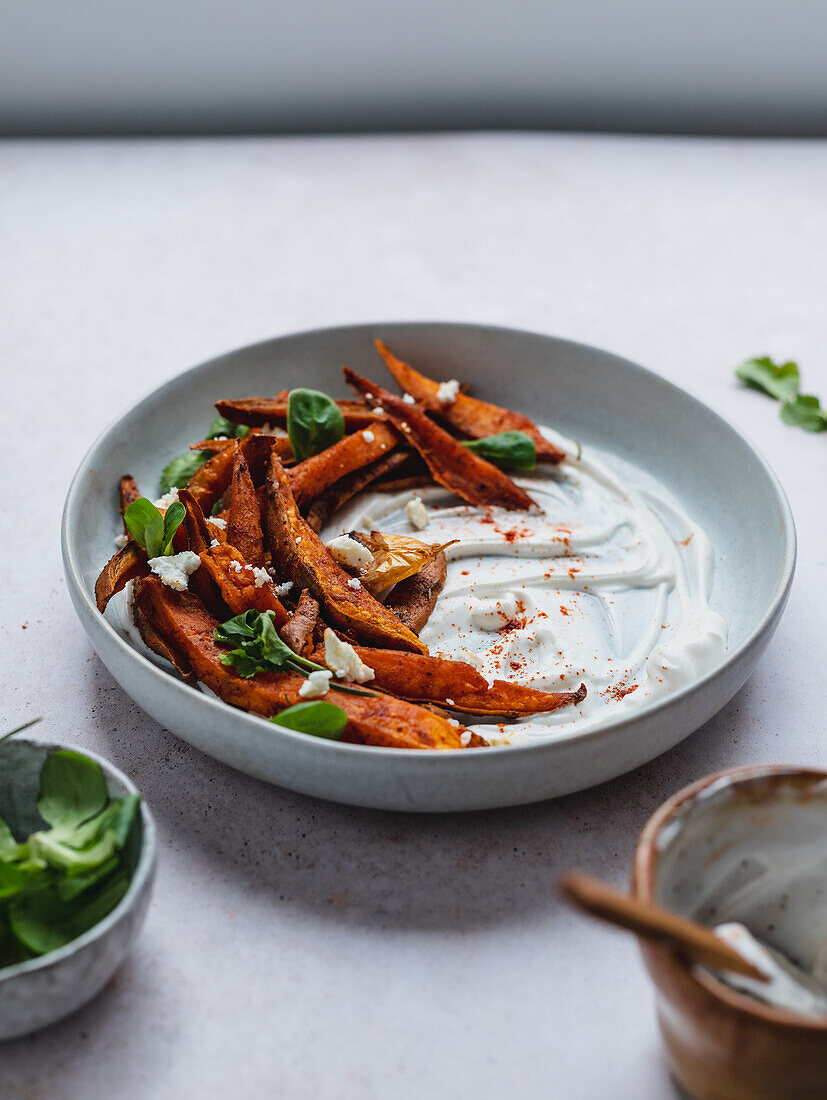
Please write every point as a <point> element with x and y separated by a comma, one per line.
<point>781,381</point>
<point>152,530</point>
<point>62,880</point>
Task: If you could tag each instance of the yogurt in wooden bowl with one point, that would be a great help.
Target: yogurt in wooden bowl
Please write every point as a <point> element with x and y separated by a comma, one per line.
<point>745,849</point>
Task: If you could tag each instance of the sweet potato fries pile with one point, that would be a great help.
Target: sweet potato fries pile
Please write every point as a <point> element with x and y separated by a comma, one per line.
<point>248,523</point>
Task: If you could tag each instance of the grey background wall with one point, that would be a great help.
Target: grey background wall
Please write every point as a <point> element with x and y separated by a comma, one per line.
<point>160,66</point>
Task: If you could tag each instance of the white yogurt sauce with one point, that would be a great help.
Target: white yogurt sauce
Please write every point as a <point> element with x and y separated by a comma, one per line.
<point>787,985</point>
<point>608,586</point>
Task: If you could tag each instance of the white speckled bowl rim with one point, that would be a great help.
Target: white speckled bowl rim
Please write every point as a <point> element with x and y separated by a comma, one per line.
<point>143,871</point>
<point>406,773</point>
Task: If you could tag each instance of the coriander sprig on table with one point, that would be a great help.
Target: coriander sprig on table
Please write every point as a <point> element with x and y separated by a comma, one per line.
<point>782,381</point>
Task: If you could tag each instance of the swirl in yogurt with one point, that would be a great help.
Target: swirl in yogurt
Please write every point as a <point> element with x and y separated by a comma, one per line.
<point>608,585</point>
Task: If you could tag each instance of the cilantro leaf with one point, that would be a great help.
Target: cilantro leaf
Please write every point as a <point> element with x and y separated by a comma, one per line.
<point>804,411</point>
<point>779,380</point>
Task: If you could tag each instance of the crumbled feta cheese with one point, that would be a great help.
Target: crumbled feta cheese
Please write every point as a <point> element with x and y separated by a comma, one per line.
<point>298,539</point>
<point>350,553</point>
<point>235,566</point>
<point>452,722</point>
<point>214,543</point>
<point>175,569</point>
<point>167,499</point>
<point>219,522</point>
<point>368,435</point>
<point>470,658</point>
<point>316,685</point>
<point>283,589</point>
<point>344,660</point>
<point>261,576</point>
<point>406,397</point>
<point>465,737</point>
<point>221,438</point>
<point>450,702</point>
<point>121,541</point>
<point>354,582</point>
<point>417,513</point>
<point>447,392</point>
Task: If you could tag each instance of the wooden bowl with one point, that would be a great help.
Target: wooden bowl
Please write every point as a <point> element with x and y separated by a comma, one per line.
<point>764,828</point>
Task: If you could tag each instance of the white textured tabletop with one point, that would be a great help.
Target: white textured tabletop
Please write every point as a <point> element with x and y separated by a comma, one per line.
<point>306,950</point>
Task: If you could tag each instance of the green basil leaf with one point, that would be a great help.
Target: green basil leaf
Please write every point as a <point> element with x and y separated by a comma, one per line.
<point>177,473</point>
<point>9,848</point>
<point>42,921</point>
<point>146,525</point>
<point>514,450</point>
<point>17,877</point>
<point>804,411</point>
<point>72,885</point>
<point>314,422</point>
<point>317,718</point>
<point>72,789</point>
<point>222,428</point>
<point>173,519</point>
<point>779,380</point>
<point>124,817</point>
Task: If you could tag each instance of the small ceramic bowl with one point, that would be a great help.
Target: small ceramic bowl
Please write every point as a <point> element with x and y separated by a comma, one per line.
<point>43,990</point>
<point>748,845</point>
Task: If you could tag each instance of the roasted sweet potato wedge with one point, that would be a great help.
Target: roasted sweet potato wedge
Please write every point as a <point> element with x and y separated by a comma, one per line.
<point>475,418</point>
<point>210,483</point>
<point>273,410</point>
<point>244,519</point>
<point>157,643</point>
<point>281,443</point>
<point>457,685</point>
<point>128,563</point>
<point>323,507</point>
<point>452,465</point>
<point>413,600</point>
<point>373,718</point>
<point>128,492</point>
<point>298,630</point>
<point>312,477</point>
<point>240,583</point>
<point>299,553</point>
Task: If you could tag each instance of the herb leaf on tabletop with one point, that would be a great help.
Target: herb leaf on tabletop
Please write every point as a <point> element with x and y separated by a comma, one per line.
<point>804,411</point>
<point>779,380</point>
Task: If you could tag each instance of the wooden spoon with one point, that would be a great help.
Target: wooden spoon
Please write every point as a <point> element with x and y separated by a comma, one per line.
<point>654,923</point>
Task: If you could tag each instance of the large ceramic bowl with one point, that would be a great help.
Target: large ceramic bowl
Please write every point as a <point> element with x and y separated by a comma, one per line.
<point>43,990</point>
<point>590,395</point>
<point>746,845</point>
